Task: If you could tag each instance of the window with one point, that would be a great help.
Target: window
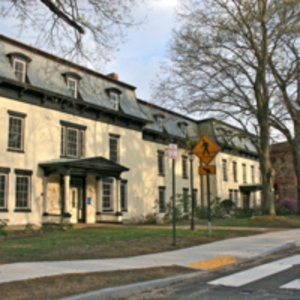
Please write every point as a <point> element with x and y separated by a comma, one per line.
<point>19,67</point>
<point>183,127</point>
<point>114,98</point>
<point>23,189</point>
<point>73,86</point>
<point>3,187</point>
<point>161,199</point>
<point>185,194</point>
<point>16,131</point>
<point>231,195</point>
<point>161,163</point>
<point>236,197</point>
<point>252,174</point>
<point>107,194</point>
<point>114,147</point>
<point>224,169</point>
<point>124,195</point>
<point>72,142</point>
<point>244,173</point>
<point>160,120</point>
<point>234,171</point>
<point>184,167</point>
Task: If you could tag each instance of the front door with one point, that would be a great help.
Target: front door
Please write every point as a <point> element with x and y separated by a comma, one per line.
<point>76,199</point>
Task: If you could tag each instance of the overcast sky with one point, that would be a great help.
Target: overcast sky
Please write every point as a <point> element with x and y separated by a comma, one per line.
<point>137,61</point>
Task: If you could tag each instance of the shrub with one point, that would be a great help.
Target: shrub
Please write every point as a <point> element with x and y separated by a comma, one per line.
<point>201,212</point>
<point>169,212</point>
<point>217,210</point>
<point>3,224</point>
<point>150,218</point>
<point>241,213</point>
<point>290,204</point>
<point>281,210</point>
<point>228,205</point>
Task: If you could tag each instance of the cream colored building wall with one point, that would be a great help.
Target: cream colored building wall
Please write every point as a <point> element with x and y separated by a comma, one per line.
<point>152,182</point>
<point>42,143</point>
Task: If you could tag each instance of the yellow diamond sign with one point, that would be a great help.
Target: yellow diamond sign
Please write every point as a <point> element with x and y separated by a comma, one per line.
<point>206,149</point>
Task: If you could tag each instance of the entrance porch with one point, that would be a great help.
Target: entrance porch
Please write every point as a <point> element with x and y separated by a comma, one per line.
<point>77,177</point>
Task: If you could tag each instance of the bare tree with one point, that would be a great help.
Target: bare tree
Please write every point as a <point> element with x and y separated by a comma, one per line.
<point>221,62</point>
<point>284,62</point>
<point>85,29</point>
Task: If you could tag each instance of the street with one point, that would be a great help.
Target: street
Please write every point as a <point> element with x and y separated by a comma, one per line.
<point>275,276</point>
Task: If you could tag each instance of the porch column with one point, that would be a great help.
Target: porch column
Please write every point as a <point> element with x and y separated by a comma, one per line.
<point>99,195</point>
<point>45,203</point>
<point>118,198</point>
<point>67,195</point>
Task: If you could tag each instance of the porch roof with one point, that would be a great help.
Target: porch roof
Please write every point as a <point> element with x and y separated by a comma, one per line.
<point>250,187</point>
<point>95,166</point>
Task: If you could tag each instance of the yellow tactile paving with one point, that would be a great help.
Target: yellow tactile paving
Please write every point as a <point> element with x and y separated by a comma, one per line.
<point>214,262</point>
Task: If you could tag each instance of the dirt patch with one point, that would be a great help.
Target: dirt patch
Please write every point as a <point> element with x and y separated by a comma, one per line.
<point>56,287</point>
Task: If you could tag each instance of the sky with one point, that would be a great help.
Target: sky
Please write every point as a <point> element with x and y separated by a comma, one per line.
<point>137,61</point>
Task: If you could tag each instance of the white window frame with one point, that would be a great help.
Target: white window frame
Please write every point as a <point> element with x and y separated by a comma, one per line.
<point>185,170</point>
<point>15,60</point>
<point>111,199</point>
<point>5,189</point>
<point>80,147</point>
<point>161,162</point>
<point>244,171</point>
<point>73,91</point>
<point>21,148</point>
<point>28,192</point>
<point>234,171</point>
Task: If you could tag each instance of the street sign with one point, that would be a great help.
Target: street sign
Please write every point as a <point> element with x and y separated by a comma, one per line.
<point>207,170</point>
<point>173,151</point>
<point>206,149</point>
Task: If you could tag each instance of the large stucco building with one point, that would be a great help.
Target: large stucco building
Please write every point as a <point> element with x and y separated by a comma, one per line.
<point>79,144</point>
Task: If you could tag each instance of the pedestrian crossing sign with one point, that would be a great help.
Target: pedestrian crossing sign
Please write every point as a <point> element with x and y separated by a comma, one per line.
<point>206,149</point>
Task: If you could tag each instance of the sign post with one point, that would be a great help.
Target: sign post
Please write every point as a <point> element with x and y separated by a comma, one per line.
<point>173,153</point>
<point>206,150</point>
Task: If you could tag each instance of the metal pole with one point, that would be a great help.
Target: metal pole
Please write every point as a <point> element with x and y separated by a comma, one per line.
<point>174,204</point>
<point>192,193</point>
<point>209,208</point>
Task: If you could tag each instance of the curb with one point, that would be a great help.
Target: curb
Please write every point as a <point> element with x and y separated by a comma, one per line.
<point>129,289</point>
<point>135,288</point>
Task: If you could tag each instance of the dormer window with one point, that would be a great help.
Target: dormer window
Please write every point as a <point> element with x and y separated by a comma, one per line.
<point>72,81</point>
<point>183,127</point>
<point>160,120</point>
<point>19,69</point>
<point>114,97</point>
<point>19,62</point>
<point>73,86</point>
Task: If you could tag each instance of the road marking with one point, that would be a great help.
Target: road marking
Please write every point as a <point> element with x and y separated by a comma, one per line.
<point>293,285</point>
<point>256,273</point>
<point>214,262</point>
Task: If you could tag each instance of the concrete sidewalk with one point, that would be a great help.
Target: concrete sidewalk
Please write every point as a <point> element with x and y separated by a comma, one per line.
<point>242,248</point>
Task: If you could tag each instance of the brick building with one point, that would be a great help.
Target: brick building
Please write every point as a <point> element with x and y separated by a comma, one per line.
<point>285,183</point>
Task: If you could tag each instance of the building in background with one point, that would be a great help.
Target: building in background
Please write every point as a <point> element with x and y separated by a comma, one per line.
<point>285,182</point>
<point>78,144</point>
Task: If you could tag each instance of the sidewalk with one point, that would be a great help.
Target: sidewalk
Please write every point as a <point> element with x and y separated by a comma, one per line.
<point>242,248</point>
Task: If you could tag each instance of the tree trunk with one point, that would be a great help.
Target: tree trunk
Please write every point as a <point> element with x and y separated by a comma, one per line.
<point>296,159</point>
<point>268,207</point>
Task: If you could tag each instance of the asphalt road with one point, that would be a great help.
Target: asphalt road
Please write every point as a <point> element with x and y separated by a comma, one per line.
<point>269,287</point>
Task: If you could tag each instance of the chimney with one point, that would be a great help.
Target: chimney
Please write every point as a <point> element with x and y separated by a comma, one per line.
<point>113,76</point>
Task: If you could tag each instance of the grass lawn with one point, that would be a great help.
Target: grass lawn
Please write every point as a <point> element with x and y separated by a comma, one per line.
<point>259,221</point>
<point>56,287</point>
<point>104,243</point>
